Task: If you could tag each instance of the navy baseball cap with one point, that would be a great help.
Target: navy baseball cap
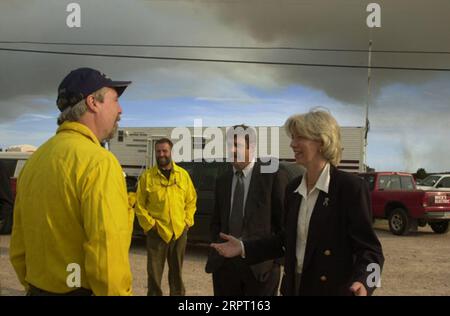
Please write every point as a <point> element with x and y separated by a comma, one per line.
<point>81,82</point>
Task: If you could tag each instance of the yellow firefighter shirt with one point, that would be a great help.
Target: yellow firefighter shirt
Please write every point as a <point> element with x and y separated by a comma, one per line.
<point>71,215</point>
<point>168,204</point>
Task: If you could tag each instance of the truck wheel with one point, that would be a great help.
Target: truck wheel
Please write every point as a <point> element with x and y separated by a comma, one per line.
<point>439,227</point>
<point>399,222</point>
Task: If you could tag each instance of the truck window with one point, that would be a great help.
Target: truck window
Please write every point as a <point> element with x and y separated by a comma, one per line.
<point>407,183</point>
<point>370,179</point>
<point>389,182</point>
<point>189,167</point>
<point>429,181</point>
<point>206,177</point>
<point>394,183</point>
<point>203,174</point>
<point>382,182</point>
<point>444,183</point>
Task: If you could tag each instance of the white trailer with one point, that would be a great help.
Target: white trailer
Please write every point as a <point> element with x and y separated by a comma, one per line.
<point>133,146</point>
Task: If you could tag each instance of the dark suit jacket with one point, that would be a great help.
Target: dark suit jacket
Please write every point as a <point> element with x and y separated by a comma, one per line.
<point>263,214</point>
<point>341,242</point>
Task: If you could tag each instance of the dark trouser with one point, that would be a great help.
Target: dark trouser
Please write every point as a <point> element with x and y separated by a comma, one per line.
<point>157,253</point>
<point>235,278</point>
<point>34,291</point>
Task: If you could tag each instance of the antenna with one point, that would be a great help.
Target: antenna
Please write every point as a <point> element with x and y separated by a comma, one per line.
<point>367,123</point>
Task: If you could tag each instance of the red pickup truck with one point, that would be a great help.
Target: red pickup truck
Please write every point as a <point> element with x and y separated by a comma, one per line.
<point>395,198</point>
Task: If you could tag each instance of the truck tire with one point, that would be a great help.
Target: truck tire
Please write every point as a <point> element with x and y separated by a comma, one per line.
<point>439,227</point>
<point>399,222</point>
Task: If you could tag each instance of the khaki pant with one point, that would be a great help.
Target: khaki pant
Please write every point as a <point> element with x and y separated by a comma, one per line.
<point>157,253</point>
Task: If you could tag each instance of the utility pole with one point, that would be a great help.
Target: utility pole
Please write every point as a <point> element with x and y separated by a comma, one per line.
<point>367,123</point>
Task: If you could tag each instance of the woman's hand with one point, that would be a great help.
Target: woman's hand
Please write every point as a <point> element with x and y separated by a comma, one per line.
<point>358,289</point>
<point>229,249</point>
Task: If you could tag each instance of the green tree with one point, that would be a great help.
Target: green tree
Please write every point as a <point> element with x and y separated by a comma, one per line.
<point>421,173</point>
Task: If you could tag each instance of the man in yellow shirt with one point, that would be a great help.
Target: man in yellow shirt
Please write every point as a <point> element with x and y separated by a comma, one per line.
<point>72,225</point>
<point>165,207</point>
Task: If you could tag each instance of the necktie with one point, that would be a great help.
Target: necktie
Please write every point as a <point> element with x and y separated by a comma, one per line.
<point>237,210</point>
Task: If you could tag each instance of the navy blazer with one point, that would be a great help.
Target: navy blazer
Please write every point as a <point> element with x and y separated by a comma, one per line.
<point>341,242</point>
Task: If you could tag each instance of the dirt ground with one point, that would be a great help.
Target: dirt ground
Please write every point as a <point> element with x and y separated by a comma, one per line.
<point>417,264</point>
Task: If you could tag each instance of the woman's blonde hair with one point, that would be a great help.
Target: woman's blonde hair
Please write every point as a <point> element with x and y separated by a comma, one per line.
<point>318,125</point>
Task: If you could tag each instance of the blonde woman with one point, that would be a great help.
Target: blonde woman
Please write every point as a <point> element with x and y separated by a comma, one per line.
<point>328,241</point>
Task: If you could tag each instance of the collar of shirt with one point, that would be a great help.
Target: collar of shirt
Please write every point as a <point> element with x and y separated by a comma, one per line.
<point>322,184</point>
<point>247,170</point>
<point>175,168</point>
<point>175,173</point>
<point>165,172</point>
<point>76,127</point>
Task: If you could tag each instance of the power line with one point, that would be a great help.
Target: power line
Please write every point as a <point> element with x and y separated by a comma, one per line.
<point>232,47</point>
<point>223,60</point>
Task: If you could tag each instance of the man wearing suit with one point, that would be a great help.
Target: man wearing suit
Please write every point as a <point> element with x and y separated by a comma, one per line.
<point>248,205</point>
